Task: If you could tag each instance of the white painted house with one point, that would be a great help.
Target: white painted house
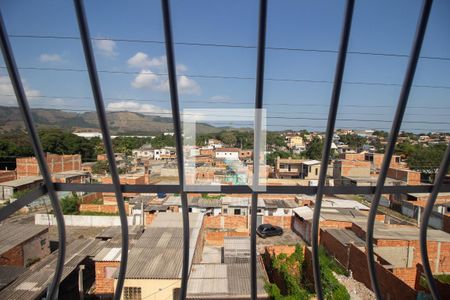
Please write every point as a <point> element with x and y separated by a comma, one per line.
<point>227,153</point>
<point>146,151</point>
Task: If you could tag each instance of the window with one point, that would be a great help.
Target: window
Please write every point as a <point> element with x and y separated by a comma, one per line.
<point>132,293</point>
<point>109,272</point>
<point>237,211</point>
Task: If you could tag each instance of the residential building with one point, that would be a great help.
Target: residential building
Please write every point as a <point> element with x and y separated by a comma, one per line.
<point>144,152</point>
<point>9,188</point>
<point>23,244</point>
<point>28,166</point>
<point>155,260</point>
<point>227,153</point>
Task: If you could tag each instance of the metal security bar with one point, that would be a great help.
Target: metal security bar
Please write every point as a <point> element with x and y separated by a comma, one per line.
<point>171,68</point>
<point>52,292</point>
<point>51,188</point>
<point>101,114</point>
<point>396,124</point>
<point>256,147</point>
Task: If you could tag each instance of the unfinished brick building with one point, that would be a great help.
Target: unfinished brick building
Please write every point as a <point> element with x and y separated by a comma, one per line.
<point>28,166</point>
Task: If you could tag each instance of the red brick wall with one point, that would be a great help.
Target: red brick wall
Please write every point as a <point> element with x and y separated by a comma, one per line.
<point>13,257</point>
<point>104,285</point>
<point>334,248</point>
<point>391,286</point>
<point>353,156</point>
<point>354,167</point>
<point>6,175</point>
<point>149,218</point>
<point>282,221</point>
<point>89,198</point>
<point>406,175</point>
<point>110,209</point>
<point>27,166</point>
<point>226,222</point>
<point>215,238</point>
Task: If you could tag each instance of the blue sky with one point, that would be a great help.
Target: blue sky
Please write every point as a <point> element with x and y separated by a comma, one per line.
<point>378,27</point>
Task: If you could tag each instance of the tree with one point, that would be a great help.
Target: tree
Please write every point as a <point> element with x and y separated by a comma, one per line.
<point>271,158</point>
<point>70,205</point>
<point>100,167</point>
<point>275,139</point>
<point>353,141</point>
<point>228,138</point>
<point>426,160</point>
<point>314,149</point>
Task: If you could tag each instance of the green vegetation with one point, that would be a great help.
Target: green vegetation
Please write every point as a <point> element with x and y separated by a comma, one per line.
<point>314,149</point>
<point>20,194</point>
<point>426,160</point>
<point>70,205</point>
<point>211,196</point>
<point>100,167</point>
<point>354,141</point>
<point>291,268</point>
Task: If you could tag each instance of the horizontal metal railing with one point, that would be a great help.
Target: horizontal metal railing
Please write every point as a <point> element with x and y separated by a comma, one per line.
<point>51,188</point>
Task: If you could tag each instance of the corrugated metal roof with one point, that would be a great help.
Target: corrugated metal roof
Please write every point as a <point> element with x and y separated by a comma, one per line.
<point>12,235</point>
<point>158,254</point>
<point>33,283</point>
<point>21,181</point>
<point>224,280</point>
<point>280,203</point>
<point>240,201</point>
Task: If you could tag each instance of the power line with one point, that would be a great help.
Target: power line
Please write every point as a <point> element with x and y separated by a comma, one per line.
<point>305,105</point>
<point>225,45</point>
<point>225,77</point>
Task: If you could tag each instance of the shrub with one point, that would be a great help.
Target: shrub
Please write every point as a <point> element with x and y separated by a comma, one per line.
<point>70,205</point>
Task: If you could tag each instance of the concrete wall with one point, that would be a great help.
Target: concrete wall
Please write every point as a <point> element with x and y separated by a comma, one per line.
<point>92,221</point>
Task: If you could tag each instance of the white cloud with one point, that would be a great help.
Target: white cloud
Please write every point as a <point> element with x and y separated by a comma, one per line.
<point>188,86</point>
<point>106,47</point>
<point>149,80</point>
<point>7,96</point>
<point>51,58</point>
<point>143,61</point>
<point>134,106</point>
<point>181,68</point>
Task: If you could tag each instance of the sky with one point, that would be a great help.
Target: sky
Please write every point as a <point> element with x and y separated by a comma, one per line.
<point>302,40</point>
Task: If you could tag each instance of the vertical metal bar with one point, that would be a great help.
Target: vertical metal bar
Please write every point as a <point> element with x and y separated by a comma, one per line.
<point>103,122</point>
<point>261,52</point>
<point>52,292</point>
<point>171,71</point>
<point>443,170</point>
<point>335,95</point>
<point>396,124</point>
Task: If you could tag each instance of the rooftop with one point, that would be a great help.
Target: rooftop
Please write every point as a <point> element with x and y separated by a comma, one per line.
<point>158,254</point>
<point>13,235</point>
<point>223,280</point>
<point>21,181</point>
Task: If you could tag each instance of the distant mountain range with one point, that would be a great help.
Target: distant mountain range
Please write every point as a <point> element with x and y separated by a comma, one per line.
<point>119,122</point>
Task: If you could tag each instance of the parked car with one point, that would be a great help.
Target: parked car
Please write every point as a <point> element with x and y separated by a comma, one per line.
<point>266,230</point>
